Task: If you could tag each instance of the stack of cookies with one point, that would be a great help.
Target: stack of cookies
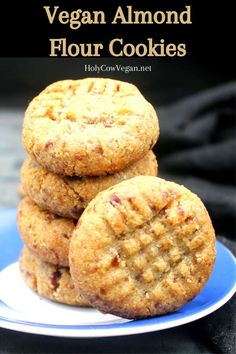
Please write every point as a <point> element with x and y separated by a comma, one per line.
<point>83,137</point>
<point>100,228</point>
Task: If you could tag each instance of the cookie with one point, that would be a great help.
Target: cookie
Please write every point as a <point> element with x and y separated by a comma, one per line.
<point>141,248</point>
<point>66,196</point>
<point>47,235</point>
<point>89,127</point>
<point>50,281</point>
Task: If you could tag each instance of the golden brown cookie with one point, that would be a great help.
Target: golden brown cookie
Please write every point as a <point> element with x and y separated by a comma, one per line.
<point>143,247</point>
<point>50,281</point>
<point>92,126</point>
<point>66,196</point>
<point>47,235</point>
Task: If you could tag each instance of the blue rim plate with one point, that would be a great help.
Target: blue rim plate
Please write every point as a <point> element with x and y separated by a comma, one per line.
<point>219,289</point>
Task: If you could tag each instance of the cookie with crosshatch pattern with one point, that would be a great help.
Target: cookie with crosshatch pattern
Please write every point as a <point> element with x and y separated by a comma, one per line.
<point>143,247</point>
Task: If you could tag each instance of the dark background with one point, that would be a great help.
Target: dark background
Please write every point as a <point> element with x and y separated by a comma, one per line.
<point>25,29</point>
<point>27,69</point>
<point>170,79</point>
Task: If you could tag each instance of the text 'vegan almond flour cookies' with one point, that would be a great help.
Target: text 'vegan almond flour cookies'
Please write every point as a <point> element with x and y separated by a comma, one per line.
<point>66,196</point>
<point>48,280</point>
<point>144,247</point>
<point>89,127</point>
<point>46,234</point>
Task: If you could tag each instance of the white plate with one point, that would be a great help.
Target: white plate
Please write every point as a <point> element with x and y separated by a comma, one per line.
<point>23,310</point>
<point>34,308</point>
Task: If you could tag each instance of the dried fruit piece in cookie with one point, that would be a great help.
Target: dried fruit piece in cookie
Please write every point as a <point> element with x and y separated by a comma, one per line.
<point>47,235</point>
<point>50,281</point>
<point>91,127</point>
<point>66,196</point>
<point>144,247</point>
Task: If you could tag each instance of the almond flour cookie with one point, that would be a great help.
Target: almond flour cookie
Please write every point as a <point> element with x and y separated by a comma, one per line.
<point>66,196</point>
<point>90,127</point>
<point>50,281</point>
<point>143,247</point>
<point>45,234</point>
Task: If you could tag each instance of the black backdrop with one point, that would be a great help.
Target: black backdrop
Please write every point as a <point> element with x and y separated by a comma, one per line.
<point>25,30</point>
